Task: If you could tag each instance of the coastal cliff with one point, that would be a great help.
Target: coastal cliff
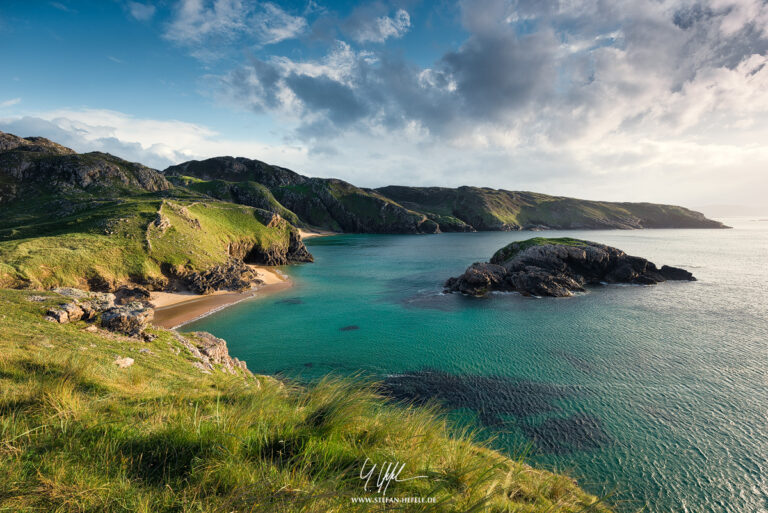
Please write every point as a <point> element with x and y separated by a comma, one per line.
<point>336,205</point>
<point>97,222</point>
<point>558,268</point>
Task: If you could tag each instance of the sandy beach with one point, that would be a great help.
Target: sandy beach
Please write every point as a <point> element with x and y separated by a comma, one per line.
<point>174,309</point>
<point>307,233</point>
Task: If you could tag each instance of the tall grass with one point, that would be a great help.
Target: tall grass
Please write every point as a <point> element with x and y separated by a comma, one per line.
<point>78,434</point>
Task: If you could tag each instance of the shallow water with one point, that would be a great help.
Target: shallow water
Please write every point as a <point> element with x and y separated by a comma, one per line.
<point>656,393</point>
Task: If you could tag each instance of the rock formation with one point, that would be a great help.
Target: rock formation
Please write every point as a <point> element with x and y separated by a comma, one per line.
<point>558,267</point>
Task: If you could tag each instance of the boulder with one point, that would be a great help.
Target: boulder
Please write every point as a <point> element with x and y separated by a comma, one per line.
<point>125,294</point>
<point>130,319</point>
<point>74,312</point>
<point>57,315</point>
<point>124,362</point>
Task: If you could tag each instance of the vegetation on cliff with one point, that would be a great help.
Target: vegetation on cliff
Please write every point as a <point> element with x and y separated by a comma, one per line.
<point>337,205</point>
<point>491,209</point>
<point>95,421</point>
<point>320,202</point>
<point>96,221</point>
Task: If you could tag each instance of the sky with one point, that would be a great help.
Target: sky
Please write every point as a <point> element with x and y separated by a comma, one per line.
<point>623,100</point>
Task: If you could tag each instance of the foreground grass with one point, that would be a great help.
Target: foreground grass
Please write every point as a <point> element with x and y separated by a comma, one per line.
<point>78,434</point>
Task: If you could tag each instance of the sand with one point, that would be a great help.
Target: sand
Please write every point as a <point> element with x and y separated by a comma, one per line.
<point>174,309</point>
<point>307,233</point>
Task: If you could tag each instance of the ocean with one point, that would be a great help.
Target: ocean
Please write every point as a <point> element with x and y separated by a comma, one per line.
<point>652,395</point>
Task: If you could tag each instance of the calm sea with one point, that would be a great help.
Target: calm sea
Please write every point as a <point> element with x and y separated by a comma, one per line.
<point>657,394</point>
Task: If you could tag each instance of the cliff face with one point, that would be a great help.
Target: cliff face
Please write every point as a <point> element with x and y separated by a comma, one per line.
<point>492,209</point>
<point>340,206</point>
<point>41,166</point>
<point>98,222</point>
<point>325,203</point>
<point>558,267</point>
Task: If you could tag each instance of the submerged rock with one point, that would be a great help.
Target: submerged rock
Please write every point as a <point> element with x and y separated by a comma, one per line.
<point>558,268</point>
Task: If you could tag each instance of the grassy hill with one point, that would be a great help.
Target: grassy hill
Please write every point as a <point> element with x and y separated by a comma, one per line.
<point>78,433</point>
<point>319,202</point>
<point>340,206</point>
<point>492,209</point>
<point>96,221</point>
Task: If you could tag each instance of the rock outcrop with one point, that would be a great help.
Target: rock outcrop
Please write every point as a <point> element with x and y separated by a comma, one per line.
<point>234,275</point>
<point>131,319</point>
<point>208,351</point>
<point>37,164</point>
<point>558,268</point>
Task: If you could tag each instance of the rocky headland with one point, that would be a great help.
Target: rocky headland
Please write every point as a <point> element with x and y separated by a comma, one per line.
<point>558,268</point>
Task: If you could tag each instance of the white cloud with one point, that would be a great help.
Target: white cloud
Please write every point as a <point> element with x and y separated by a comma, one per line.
<point>156,143</point>
<point>141,12</point>
<point>10,103</point>
<point>200,24</point>
<point>274,25</point>
<point>380,29</point>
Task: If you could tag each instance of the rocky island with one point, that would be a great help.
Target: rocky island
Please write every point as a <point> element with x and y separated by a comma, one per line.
<point>558,267</point>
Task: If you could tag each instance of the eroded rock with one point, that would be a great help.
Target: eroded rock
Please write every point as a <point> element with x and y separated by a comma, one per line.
<point>130,319</point>
<point>558,268</point>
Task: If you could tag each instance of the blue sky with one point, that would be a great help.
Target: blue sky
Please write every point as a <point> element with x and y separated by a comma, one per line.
<point>642,100</point>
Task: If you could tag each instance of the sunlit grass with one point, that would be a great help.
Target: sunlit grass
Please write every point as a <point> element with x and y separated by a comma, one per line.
<point>79,434</point>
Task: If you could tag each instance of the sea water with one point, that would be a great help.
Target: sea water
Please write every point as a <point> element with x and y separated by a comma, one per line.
<point>655,395</point>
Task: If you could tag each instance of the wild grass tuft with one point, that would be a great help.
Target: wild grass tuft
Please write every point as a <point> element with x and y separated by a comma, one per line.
<point>79,434</point>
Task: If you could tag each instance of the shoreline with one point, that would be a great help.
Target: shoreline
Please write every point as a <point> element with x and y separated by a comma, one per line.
<point>175,309</point>
<point>307,233</point>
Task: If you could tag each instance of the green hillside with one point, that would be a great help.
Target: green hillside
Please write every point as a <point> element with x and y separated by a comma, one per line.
<point>340,206</point>
<point>96,221</point>
<point>319,202</point>
<point>80,434</point>
<point>491,209</point>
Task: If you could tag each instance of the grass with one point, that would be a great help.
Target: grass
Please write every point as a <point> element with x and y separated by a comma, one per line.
<point>490,209</point>
<point>512,249</point>
<point>118,241</point>
<point>247,193</point>
<point>78,434</point>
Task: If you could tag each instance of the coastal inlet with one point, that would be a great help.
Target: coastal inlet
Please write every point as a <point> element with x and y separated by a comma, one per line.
<point>654,393</point>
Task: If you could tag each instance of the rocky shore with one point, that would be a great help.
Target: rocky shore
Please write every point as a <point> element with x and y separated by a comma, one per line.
<point>558,268</point>
<point>128,313</point>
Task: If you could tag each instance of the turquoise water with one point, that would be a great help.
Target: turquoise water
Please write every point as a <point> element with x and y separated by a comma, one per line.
<point>658,393</point>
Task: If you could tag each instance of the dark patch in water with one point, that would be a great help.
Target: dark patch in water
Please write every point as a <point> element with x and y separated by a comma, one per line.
<point>290,301</point>
<point>351,327</point>
<point>492,398</point>
<point>581,364</point>
<point>308,365</point>
<point>558,435</point>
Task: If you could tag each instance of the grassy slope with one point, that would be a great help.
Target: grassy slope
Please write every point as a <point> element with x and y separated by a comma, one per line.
<point>116,241</point>
<point>257,194</point>
<point>79,434</point>
<point>512,249</point>
<point>486,208</point>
